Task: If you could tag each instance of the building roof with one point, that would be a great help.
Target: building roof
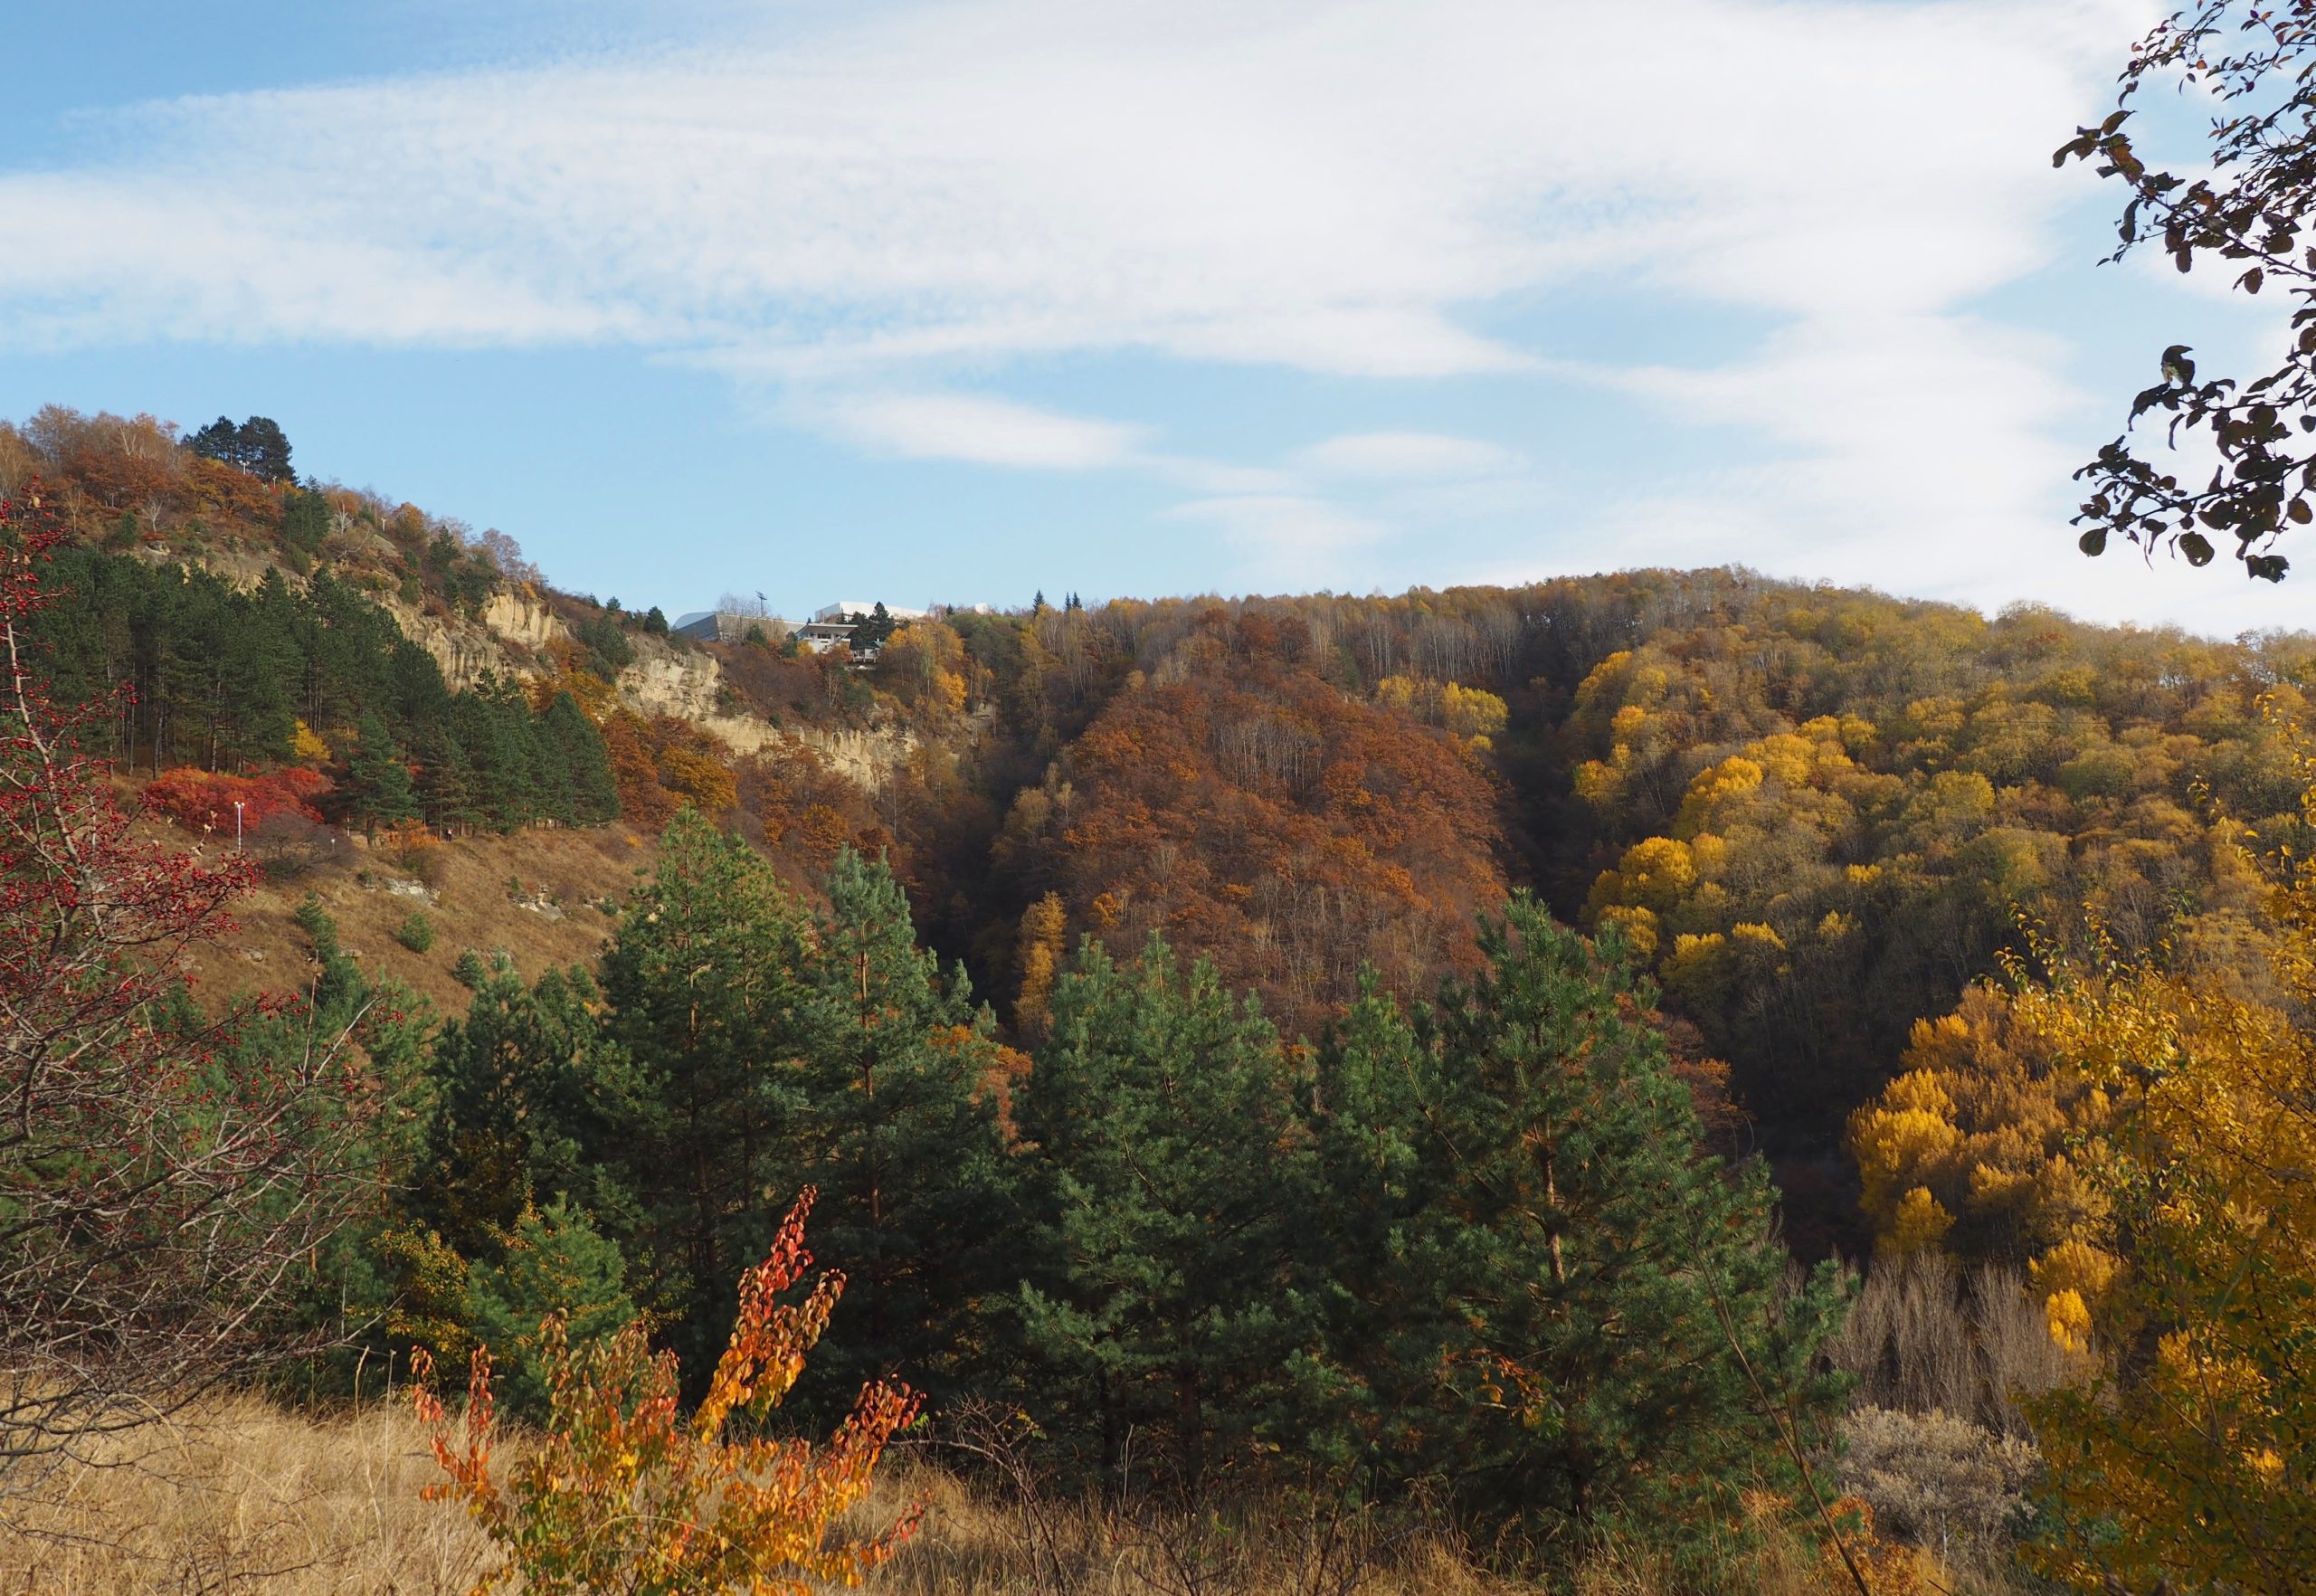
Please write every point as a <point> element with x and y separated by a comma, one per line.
<point>844,607</point>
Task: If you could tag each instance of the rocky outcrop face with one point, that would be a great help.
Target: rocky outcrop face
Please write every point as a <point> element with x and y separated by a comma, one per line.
<point>864,758</point>
<point>505,643</point>
<point>510,639</point>
<point>682,682</point>
<point>688,684</point>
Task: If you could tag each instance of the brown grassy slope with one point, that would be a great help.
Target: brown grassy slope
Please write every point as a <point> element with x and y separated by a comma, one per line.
<point>243,1497</point>
<point>534,894</point>
<point>239,1495</point>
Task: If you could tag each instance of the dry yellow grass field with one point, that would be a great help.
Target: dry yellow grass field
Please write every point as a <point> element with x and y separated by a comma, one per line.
<point>237,1496</point>
<point>240,1495</point>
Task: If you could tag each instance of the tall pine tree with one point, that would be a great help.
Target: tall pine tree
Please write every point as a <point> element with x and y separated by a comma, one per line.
<point>593,796</point>
<point>527,1097</point>
<point>378,788</point>
<point>701,981</point>
<point>900,1134</point>
<point>1169,1166</point>
<point>1546,1292</point>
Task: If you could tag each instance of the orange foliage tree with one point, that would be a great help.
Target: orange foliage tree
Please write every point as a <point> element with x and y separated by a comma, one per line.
<point>204,800</point>
<point>1252,812</point>
<point>622,1494</point>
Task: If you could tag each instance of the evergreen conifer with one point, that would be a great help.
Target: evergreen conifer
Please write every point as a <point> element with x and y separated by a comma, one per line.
<point>378,788</point>
<point>701,981</point>
<point>899,1133</point>
<point>1546,1292</point>
<point>1170,1169</point>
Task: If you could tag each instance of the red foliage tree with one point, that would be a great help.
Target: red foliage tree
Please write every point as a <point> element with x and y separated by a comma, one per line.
<point>202,799</point>
<point>1251,811</point>
<point>162,1173</point>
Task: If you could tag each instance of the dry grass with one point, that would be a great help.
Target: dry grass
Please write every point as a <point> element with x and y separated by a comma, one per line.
<point>978,1541</point>
<point>240,1496</point>
<point>237,1496</point>
<point>533,894</point>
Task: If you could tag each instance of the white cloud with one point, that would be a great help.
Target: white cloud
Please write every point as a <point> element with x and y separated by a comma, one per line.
<point>1289,538</point>
<point>1404,455</point>
<point>1316,185</point>
<point>872,215</point>
<point>970,427</point>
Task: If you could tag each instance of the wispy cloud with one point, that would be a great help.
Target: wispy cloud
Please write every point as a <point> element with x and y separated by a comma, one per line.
<point>1290,540</point>
<point>977,428</point>
<point>882,218</point>
<point>1403,456</point>
<point>1320,185</point>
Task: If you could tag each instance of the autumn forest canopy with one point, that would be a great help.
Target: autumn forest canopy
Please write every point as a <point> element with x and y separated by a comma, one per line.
<point>1411,1036</point>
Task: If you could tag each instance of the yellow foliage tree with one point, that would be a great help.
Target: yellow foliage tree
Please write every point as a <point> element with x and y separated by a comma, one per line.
<point>1473,714</point>
<point>2195,1464</point>
<point>1980,1121</point>
<point>306,745</point>
<point>1043,926</point>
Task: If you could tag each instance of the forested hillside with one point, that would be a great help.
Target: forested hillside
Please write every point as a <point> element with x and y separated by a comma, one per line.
<point>1818,815</point>
<point>1220,1031</point>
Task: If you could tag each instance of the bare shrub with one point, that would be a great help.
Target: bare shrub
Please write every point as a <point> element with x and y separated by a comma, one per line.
<point>1933,1478</point>
<point>1908,1340</point>
<point>164,1174</point>
<point>1923,1338</point>
<point>290,845</point>
<point>2014,1341</point>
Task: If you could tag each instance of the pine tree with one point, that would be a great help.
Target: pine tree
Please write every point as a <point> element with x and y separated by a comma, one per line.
<point>555,1260</point>
<point>1169,1169</point>
<point>701,981</point>
<point>1545,1283</point>
<point>447,792</point>
<point>593,795</point>
<point>264,449</point>
<point>379,791</point>
<point>525,1099</point>
<point>492,727</point>
<point>900,1135</point>
<point>257,660</point>
<point>305,520</point>
<point>220,441</point>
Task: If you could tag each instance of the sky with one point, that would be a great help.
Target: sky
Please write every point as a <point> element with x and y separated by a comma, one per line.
<point>956,302</point>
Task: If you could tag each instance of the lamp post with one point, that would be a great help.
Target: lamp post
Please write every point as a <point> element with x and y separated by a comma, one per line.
<point>237,823</point>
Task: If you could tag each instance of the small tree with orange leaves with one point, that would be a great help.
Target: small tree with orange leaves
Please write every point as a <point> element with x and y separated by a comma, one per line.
<point>624,1495</point>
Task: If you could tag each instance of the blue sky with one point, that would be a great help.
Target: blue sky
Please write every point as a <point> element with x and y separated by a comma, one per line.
<point>955,302</point>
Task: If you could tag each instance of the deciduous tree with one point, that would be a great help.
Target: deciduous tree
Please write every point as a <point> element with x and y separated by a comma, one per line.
<point>2242,208</point>
<point>164,1174</point>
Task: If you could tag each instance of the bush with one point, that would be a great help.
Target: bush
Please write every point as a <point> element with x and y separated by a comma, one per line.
<point>623,1494</point>
<point>556,1264</point>
<point>204,800</point>
<point>288,845</point>
<point>1931,1477</point>
<point>416,933</point>
<point>415,851</point>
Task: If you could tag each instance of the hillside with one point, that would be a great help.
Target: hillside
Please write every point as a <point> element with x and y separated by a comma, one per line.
<point>1396,1043</point>
<point>1817,814</point>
